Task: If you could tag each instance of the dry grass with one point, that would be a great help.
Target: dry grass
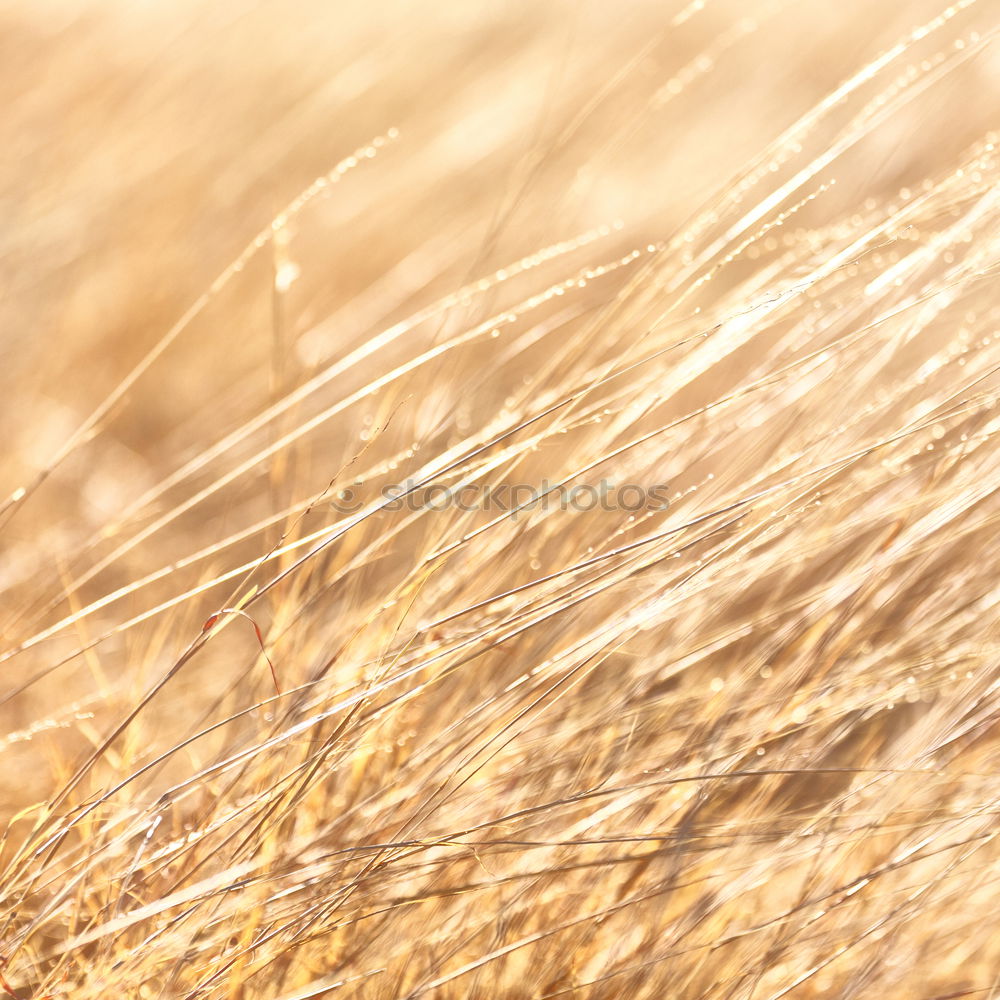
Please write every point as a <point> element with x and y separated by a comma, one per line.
<point>741,747</point>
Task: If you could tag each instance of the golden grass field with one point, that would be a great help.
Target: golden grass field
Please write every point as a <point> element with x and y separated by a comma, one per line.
<point>262,262</point>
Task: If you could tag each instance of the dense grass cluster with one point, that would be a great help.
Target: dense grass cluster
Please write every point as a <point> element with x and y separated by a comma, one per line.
<point>268,733</point>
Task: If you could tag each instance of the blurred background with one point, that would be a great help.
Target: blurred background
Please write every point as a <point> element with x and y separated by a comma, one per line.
<point>146,145</point>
